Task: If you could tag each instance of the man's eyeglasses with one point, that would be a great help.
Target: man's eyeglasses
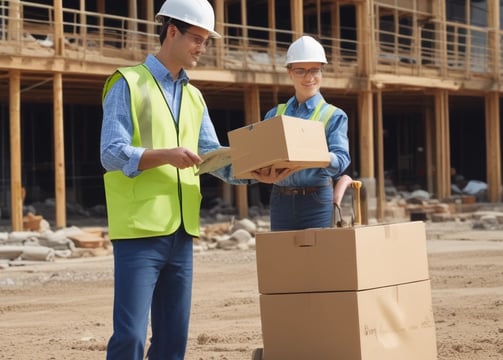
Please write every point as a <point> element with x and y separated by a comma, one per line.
<point>198,39</point>
<point>301,72</point>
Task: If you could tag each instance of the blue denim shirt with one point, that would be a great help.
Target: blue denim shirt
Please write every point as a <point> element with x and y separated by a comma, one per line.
<point>116,151</point>
<point>336,132</point>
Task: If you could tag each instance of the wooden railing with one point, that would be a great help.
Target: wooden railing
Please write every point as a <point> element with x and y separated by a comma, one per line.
<point>90,36</point>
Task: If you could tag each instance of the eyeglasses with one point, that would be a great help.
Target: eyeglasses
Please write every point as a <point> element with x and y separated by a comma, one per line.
<point>301,72</point>
<point>198,39</point>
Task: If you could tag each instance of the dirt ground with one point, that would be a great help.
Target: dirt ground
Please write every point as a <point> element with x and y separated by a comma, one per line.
<point>62,310</point>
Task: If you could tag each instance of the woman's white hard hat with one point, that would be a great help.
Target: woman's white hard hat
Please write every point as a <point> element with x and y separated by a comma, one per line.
<point>305,49</point>
<point>194,12</point>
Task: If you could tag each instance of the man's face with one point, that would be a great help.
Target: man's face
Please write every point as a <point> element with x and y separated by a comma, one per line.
<point>190,45</point>
<point>306,78</point>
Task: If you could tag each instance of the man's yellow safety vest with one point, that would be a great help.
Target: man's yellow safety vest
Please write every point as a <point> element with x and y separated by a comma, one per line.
<point>159,200</point>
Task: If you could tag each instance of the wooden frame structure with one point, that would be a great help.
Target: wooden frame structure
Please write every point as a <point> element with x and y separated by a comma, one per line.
<point>425,48</point>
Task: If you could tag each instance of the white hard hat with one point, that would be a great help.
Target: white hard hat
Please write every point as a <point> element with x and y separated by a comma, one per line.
<point>194,12</point>
<point>305,49</point>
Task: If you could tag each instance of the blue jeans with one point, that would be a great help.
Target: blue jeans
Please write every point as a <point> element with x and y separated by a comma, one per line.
<point>152,275</point>
<point>298,212</point>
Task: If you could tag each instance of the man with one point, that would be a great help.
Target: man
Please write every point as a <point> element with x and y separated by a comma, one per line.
<point>154,125</point>
<point>304,199</point>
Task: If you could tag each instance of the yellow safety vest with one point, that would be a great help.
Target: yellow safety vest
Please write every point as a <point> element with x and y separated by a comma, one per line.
<point>320,113</point>
<point>159,200</point>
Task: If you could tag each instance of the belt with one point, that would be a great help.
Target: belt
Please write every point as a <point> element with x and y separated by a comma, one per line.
<point>287,190</point>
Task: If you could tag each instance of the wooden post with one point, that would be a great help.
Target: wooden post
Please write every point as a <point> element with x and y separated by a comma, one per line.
<point>366,135</point>
<point>219,28</point>
<point>150,16</point>
<point>15,150</point>
<point>59,35</point>
<point>442,142</point>
<point>83,24</point>
<point>381,196</point>
<point>271,21</point>
<point>15,24</point>
<point>297,18</point>
<point>429,147</point>
<point>493,146</point>
<point>59,151</point>
<point>132,37</point>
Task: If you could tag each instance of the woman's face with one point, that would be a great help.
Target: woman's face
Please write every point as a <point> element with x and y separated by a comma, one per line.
<point>306,78</point>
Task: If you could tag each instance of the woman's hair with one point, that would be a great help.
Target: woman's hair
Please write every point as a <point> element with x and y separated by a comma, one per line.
<point>180,25</point>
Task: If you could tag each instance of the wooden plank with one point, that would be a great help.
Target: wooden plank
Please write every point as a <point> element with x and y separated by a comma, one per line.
<point>59,151</point>
<point>15,150</point>
<point>493,146</point>
<point>297,16</point>
<point>365,119</point>
<point>381,196</point>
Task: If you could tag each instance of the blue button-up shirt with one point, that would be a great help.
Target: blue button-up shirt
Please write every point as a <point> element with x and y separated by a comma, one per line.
<point>117,153</point>
<point>338,145</point>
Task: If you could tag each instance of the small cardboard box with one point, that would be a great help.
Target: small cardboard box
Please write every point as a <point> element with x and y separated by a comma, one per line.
<point>390,323</point>
<point>282,141</point>
<point>341,259</point>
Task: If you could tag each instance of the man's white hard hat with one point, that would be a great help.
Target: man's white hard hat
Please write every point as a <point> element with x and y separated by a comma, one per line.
<point>305,49</point>
<point>194,12</point>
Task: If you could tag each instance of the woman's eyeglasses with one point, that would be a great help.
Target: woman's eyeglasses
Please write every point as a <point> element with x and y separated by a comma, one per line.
<point>301,72</point>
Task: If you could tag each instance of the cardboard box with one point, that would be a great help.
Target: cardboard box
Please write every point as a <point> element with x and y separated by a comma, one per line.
<point>341,259</point>
<point>283,141</point>
<point>390,323</point>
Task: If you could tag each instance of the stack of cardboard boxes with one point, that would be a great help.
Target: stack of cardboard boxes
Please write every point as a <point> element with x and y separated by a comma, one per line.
<point>348,293</point>
<point>358,293</point>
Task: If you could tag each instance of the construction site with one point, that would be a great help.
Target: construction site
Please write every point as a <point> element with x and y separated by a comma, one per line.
<point>415,275</point>
<point>420,81</point>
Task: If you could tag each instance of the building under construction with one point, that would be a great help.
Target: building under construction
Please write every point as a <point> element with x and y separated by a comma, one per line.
<point>420,81</point>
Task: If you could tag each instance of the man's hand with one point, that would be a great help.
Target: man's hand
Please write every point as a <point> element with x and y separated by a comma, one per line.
<point>270,174</point>
<point>179,157</point>
<point>183,158</point>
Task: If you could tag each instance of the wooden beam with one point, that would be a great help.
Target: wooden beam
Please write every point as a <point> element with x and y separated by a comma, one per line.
<point>15,24</point>
<point>271,22</point>
<point>297,18</point>
<point>381,195</point>
<point>83,23</point>
<point>59,35</point>
<point>415,81</point>
<point>493,22</point>
<point>365,38</point>
<point>493,146</point>
<point>219,28</point>
<point>442,145</point>
<point>366,132</point>
<point>429,147</point>
<point>59,151</point>
<point>150,17</point>
<point>15,150</point>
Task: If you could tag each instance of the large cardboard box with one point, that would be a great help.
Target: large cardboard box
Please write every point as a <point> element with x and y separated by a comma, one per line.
<point>283,141</point>
<point>341,259</point>
<point>389,323</point>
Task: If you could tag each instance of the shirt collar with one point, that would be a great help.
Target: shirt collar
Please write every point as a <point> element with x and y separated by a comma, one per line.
<point>310,103</point>
<point>159,71</point>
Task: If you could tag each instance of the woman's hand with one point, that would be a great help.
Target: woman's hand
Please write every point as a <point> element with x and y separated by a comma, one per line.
<point>270,174</point>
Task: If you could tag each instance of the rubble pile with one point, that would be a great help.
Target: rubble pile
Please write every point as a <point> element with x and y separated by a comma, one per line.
<point>39,243</point>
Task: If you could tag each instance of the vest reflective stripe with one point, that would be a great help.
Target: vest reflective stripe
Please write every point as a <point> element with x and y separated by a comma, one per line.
<point>159,200</point>
<point>320,113</point>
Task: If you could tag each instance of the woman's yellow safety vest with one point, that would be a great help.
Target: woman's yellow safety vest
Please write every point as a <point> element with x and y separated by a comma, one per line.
<point>320,112</point>
<point>159,200</point>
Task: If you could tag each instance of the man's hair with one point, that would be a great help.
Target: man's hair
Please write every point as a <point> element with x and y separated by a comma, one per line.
<point>167,21</point>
